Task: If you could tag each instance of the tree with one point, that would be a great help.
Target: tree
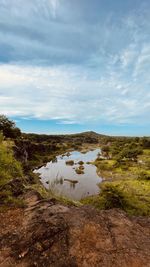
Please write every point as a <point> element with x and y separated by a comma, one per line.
<point>8,127</point>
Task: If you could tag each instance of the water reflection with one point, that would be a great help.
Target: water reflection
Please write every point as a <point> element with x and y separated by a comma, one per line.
<point>63,179</point>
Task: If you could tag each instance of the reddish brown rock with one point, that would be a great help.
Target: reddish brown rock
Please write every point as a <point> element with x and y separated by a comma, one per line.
<point>49,234</point>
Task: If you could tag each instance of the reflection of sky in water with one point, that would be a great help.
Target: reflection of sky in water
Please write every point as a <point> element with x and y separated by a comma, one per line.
<point>55,175</point>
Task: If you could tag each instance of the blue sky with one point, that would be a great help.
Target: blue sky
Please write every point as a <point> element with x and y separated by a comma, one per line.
<point>71,66</point>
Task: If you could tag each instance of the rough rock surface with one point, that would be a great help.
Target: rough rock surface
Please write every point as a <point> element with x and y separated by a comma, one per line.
<point>49,234</point>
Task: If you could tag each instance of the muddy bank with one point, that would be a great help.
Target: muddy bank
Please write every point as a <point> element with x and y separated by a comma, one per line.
<point>49,234</point>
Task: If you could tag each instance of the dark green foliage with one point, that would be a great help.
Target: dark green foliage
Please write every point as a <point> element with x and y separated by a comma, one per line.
<point>11,174</point>
<point>105,148</point>
<point>129,153</point>
<point>143,175</point>
<point>9,128</point>
<point>105,151</point>
<point>146,142</point>
<point>75,139</point>
<point>129,150</point>
<point>114,198</point>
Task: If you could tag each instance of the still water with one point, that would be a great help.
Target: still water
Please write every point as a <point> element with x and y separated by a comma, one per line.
<point>63,180</point>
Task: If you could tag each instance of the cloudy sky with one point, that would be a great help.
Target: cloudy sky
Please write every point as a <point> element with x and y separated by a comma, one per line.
<point>76,65</point>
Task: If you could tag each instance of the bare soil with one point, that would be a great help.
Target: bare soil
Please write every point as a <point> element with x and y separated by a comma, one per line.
<point>49,234</point>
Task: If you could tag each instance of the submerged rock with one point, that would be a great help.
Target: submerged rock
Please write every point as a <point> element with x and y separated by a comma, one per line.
<point>71,181</point>
<point>79,170</point>
<point>70,162</point>
<point>80,162</point>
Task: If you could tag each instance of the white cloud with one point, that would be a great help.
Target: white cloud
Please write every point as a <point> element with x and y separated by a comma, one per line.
<point>54,5</point>
<point>128,56</point>
<point>142,66</point>
<point>69,94</point>
<point>74,66</point>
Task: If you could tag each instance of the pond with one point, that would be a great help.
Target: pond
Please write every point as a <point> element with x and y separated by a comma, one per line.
<point>62,178</point>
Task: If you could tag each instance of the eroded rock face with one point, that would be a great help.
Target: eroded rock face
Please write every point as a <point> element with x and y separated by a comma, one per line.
<point>49,234</point>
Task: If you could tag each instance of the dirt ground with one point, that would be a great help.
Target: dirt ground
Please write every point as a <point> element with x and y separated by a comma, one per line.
<point>49,234</point>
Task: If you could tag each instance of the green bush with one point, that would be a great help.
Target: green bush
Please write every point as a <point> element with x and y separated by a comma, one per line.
<point>10,169</point>
<point>112,197</point>
<point>103,165</point>
<point>143,175</point>
<point>130,195</point>
<point>9,128</point>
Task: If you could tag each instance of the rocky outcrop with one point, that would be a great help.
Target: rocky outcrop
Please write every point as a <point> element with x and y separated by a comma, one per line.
<point>50,234</point>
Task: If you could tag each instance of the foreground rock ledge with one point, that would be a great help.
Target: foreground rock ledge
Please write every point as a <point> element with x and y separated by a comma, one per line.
<point>50,234</point>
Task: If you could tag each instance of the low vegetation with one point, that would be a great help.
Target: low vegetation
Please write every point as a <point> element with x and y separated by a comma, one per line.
<point>124,164</point>
<point>130,195</point>
<point>10,169</point>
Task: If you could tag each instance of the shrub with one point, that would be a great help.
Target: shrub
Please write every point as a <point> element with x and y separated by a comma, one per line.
<point>10,169</point>
<point>130,195</point>
<point>129,152</point>
<point>9,166</point>
<point>143,175</point>
<point>9,128</point>
<point>146,142</point>
<point>113,197</point>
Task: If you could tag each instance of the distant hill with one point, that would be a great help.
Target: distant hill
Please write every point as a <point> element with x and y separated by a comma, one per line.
<point>90,133</point>
<point>86,137</point>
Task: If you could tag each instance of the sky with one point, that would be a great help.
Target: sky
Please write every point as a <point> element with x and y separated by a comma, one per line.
<point>76,65</point>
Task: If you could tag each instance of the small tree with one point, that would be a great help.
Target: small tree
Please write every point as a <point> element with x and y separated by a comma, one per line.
<point>8,127</point>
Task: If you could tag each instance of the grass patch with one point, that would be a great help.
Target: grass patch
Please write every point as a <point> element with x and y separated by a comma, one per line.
<point>10,169</point>
<point>144,175</point>
<point>133,196</point>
